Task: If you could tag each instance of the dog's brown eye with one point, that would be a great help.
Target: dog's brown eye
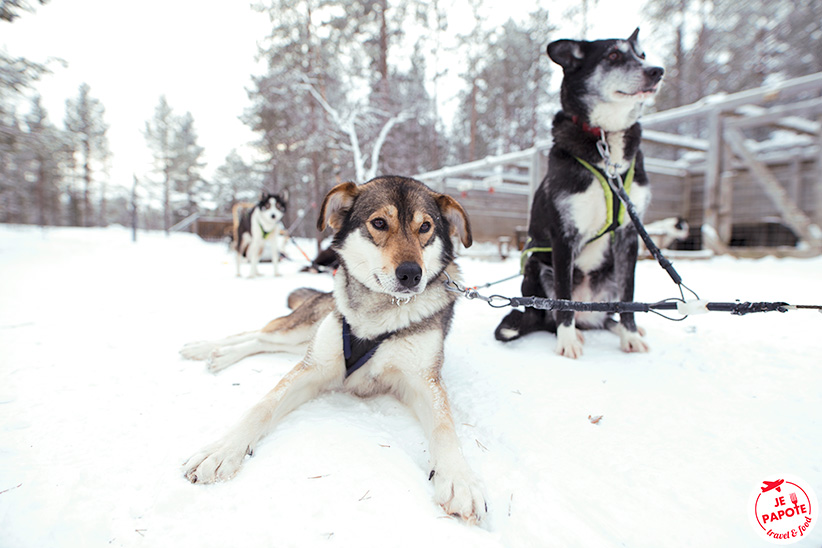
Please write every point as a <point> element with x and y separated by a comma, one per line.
<point>614,56</point>
<point>425,227</point>
<point>379,224</point>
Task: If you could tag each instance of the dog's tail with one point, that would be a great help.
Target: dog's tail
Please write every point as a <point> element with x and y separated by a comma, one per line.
<point>299,296</point>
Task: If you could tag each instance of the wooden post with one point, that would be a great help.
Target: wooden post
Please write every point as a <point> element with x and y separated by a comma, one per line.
<point>712,172</point>
<point>817,185</point>
<point>725,198</point>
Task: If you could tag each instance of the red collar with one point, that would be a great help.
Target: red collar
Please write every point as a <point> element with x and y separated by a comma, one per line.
<point>595,131</point>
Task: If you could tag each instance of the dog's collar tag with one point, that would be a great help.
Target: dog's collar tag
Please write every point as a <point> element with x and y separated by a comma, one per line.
<point>358,351</point>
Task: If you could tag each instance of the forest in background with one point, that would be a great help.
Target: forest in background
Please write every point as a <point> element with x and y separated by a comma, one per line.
<point>352,89</point>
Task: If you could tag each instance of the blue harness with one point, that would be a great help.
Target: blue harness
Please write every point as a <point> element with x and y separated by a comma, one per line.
<point>358,351</point>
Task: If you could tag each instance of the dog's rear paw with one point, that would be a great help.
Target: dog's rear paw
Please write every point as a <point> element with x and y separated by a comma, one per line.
<point>569,342</point>
<point>197,350</point>
<point>508,329</point>
<point>459,494</point>
<point>217,462</point>
<point>220,359</point>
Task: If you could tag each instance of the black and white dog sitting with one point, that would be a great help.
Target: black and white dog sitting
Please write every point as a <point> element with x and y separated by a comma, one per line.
<point>582,245</point>
<point>256,224</point>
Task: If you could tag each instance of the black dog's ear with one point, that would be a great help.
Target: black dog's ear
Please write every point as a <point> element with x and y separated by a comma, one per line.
<point>335,205</point>
<point>566,53</point>
<point>634,38</point>
<point>457,218</point>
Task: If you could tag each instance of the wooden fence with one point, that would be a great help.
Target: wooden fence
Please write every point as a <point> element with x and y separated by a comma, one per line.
<point>745,171</point>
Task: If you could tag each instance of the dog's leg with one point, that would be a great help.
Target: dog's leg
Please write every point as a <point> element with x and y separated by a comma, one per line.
<point>221,460</point>
<point>275,252</point>
<point>289,333</point>
<point>321,369</point>
<point>569,338</point>
<point>238,254</point>
<point>455,487</point>
<point>630,337</point>
<point>291,340</point>
<point>255,249</point>
<point>201,350</point>
<point>536,279</point>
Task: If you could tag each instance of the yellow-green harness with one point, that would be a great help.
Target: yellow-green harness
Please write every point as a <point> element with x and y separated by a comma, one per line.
<point>613,215</point>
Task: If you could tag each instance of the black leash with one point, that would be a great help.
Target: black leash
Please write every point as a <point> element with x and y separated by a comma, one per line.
<point>681,305</point>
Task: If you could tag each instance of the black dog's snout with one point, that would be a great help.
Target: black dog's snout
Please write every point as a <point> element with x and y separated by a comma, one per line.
<point>409,274</point>
<point>654,74</point>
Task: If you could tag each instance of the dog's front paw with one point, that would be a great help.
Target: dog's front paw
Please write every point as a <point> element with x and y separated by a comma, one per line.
<point>198,350</point>
<point>632,341</point>
<point>217,462</point>
<point>459,493</point>
<point>569,341</point>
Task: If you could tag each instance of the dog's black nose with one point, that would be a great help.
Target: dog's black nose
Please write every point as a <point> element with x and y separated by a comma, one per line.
<point>409,274</point>
<point>654,74</point>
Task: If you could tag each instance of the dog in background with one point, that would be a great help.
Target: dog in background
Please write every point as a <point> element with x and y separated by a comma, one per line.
<point>256,223</point>
<point>381,330</point>
<point>665,233</point>
<point>581,244</point>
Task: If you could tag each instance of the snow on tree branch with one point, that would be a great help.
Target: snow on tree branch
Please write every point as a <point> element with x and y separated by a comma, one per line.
<point>348,125</point>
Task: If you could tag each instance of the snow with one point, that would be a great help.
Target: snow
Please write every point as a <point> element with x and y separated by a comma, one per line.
<point>98,411</point>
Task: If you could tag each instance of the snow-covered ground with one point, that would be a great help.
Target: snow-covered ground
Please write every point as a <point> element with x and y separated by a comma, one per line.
<point>98,411</point>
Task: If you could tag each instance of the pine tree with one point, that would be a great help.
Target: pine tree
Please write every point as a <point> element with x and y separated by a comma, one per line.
<point>87,130</point>
<point>10,9</point>
<point>505,104</point>
<point>48,150</point>
<point>235,181</point>
<point>177,159</point>
<point>188,179</point>
<point>159,134</point>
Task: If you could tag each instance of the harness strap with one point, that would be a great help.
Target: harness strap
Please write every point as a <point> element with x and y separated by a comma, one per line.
<point>614,215</point>
<point>532,247</point>
<point>358,351</point>
<point>265,234</point>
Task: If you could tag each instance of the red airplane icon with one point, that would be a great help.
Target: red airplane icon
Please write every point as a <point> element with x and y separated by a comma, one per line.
<point>772,485</point>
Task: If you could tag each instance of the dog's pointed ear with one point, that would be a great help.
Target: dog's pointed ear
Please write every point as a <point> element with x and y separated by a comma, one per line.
<point>634,38</point>
<point>335,205</point>
<point>457,218</point>
<point>284,195</point>
<point>566,53</point>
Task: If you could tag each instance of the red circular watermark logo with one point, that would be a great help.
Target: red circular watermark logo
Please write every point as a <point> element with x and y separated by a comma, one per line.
<point>783,509</point>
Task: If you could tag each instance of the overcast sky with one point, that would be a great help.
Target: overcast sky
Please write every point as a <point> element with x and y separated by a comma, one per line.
<point>201,55</point>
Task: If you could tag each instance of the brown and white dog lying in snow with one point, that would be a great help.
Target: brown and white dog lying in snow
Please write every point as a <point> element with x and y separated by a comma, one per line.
<point>380,331</point>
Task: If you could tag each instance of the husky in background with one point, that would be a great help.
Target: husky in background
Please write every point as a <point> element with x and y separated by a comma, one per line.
<point>581,244</point>
<point>254,225</point>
